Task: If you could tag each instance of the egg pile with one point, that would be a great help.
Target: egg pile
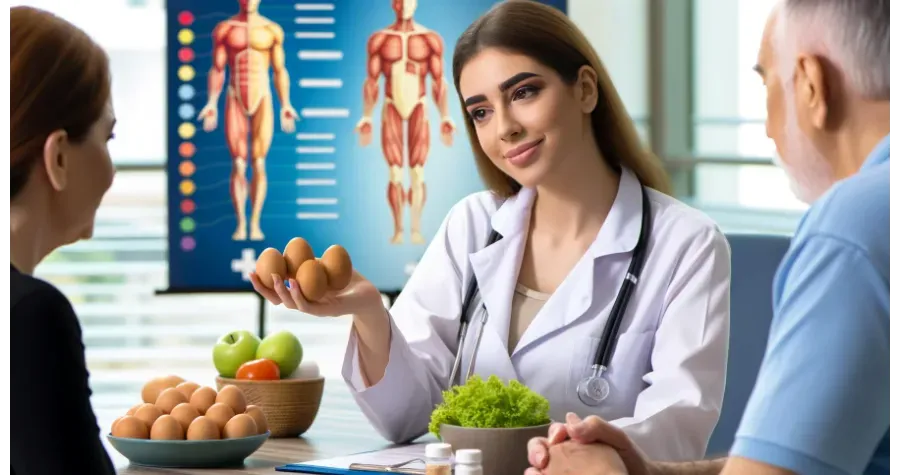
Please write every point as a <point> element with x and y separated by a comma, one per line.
<point>314,276</point>
<point>175,409</point>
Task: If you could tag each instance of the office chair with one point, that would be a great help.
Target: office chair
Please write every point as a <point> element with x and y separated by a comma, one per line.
<point>754,261</point>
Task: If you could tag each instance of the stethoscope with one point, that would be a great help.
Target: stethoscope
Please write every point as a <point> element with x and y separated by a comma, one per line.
<point>593,389</point>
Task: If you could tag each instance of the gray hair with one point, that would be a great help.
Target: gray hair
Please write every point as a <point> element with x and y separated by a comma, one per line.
<point>853,34</point>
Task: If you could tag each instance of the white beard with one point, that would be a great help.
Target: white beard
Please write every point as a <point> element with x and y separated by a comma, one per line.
<point>808,171</point>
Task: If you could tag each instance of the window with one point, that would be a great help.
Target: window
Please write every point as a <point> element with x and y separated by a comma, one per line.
<point>619,33</point>
<point>729,112</point>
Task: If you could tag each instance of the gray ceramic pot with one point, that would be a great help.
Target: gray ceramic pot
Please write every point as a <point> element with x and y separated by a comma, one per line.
<point>504,451</point>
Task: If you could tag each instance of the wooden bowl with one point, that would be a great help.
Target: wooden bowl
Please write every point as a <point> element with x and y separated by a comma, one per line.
<point>290,405</point>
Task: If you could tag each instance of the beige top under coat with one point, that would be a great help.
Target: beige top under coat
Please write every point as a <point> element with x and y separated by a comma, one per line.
<point>525,305</point>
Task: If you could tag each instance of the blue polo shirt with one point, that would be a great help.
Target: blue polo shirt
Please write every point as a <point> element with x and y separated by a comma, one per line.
<point>821,404</point>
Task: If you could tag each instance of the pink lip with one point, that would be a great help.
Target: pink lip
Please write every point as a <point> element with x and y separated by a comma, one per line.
<point>512,154</point>
<point>524,154</point>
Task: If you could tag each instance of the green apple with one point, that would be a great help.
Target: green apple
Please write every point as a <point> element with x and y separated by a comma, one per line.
<point>284,349</point>
<point>232,350</point>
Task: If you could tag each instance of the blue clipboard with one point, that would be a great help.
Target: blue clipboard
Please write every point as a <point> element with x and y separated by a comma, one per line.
<point>407,459</point>
<point>312,469</point>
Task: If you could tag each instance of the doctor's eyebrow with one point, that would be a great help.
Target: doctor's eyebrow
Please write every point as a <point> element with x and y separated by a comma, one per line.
<point>759,70</point>
<point>504,86</point>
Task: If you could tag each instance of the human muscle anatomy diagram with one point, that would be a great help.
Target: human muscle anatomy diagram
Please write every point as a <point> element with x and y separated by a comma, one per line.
<point>405,54</point>
<point>249,46</point>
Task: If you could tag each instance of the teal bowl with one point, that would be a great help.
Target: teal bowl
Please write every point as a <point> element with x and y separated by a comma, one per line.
<point>221,453</point>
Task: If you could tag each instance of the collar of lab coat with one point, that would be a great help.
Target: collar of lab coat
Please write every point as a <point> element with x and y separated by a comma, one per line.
<point>620,230</point>
<point>497,266</point>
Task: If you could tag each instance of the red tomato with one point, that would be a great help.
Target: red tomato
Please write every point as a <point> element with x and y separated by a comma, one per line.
<point>261,369</point>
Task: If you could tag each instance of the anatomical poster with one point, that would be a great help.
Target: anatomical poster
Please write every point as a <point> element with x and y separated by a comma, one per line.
<point>284,121</point>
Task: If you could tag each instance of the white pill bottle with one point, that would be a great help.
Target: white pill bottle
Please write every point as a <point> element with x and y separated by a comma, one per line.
<point>468,462</point>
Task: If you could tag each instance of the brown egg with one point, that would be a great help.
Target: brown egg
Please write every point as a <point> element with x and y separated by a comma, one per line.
<point>172,380</point>
<point>187,388</point>
<point>203,398</point>
<point>220,414</point>
<point>170,398</point>
<point>148,413</point>
<point>296,253</point>
<point>112,428</point>
<point>185,413</point>
<point>233,397</point>
<point>134,408</point>
<point>151,390</point>
<point>202,428</point>
<point>130,427</point>
<point>338,267</point>
<point>270,262</point>
<point>241,425</point>
<point>312,280</point>
<point>262,423</point>
<point>166,428</point>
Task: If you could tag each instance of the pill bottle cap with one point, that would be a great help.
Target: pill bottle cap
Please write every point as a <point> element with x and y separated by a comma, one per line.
<point>438,451</point>
<point>468,456</point>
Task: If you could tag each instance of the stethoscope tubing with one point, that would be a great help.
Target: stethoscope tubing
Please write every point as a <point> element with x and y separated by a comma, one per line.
<point>607,340</point>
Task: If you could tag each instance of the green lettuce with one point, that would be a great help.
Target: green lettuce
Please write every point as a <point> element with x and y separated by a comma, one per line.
<point>490,404</point>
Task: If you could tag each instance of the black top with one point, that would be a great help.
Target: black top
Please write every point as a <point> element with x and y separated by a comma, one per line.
<point>53,429</point>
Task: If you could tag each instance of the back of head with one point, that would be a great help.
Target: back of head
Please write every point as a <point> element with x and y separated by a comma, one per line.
<point>59,80</point>
<point>853,34</point>
<point>548,36</point>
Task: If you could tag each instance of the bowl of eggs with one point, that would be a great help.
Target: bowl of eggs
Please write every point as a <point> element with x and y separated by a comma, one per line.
<point>183,424</point>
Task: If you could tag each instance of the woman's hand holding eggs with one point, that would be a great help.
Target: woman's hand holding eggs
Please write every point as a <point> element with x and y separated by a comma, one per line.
<point>315,277</point>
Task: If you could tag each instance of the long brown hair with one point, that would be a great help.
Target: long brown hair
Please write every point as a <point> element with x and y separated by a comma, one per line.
<point>59,80</point>
<point>546,35</point>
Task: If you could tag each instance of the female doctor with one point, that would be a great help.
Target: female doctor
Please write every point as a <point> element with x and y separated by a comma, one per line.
<point>566,170</point>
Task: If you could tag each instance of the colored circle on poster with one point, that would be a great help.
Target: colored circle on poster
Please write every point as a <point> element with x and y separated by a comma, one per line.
<point>188,225</point>
<point>187,187</point>
<point>188,243</point>
<point>185,36</point>
<point>186,130</point>
<point>186,111</point>
<point>186,150</point>
<point>186,92</point>
<point>188,206</point>
<point>186,73</point>
<point>186,168</point>
<point>185,18</point>
<point>185,55</point>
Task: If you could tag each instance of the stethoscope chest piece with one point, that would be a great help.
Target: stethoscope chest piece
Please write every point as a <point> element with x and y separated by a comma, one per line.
<point>593,389</point>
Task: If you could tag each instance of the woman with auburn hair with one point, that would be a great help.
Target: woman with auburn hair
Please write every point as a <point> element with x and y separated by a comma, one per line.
<point>61,118</point>
<point>597,289</point>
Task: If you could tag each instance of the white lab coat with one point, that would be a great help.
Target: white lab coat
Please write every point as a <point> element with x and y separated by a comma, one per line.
<point>667,374</point>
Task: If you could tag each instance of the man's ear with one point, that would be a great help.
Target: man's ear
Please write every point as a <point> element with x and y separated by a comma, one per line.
<point>586,89</point>
<point>56,161</point>
<point>811,90</point>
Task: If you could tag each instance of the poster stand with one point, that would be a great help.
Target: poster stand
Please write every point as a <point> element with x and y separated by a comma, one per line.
<point>261,309</point>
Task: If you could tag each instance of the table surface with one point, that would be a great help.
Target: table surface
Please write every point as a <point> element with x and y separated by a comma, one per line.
<point>340,428</point>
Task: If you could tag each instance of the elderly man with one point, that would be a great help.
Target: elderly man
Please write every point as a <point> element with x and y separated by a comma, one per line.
<point>822,397</point>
